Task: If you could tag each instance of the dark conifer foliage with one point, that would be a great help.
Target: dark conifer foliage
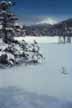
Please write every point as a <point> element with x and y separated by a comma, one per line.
<point>15,52</point>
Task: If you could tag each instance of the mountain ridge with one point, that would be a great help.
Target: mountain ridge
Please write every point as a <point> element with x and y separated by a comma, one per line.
<point>50,30</point>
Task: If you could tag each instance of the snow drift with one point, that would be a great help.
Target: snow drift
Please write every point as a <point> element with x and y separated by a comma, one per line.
<point>12,97</point>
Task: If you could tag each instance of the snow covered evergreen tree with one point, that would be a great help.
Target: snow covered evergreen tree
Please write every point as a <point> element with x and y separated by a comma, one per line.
<point>7,19</point>
<point>15,52</point>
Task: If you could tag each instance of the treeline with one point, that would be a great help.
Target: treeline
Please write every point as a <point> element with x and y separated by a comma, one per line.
<point>63,28</point>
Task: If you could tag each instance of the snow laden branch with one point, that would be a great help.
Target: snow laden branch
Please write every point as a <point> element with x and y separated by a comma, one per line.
<point>20,52</point>
<point>15,52</point>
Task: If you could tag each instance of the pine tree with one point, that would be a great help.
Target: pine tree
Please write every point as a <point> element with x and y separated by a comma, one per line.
<point>7,19</point>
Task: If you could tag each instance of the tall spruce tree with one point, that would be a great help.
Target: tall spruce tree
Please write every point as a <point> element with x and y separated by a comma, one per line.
<point>7,19</point>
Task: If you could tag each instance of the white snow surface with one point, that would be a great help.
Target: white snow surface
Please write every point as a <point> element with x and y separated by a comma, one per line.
<point>12,97</point>
<point>39,39</point>
<point>47,85</point>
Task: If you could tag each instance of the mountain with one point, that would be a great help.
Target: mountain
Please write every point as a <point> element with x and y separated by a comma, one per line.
<point>47,20</point>
<point>38,29</point>
<point>61,28</point>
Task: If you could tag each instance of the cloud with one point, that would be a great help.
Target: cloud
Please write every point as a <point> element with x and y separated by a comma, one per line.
<point>48,20</point>
<point>31,20</point>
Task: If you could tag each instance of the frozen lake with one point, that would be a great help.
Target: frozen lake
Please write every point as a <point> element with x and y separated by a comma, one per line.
<point>46,78</point>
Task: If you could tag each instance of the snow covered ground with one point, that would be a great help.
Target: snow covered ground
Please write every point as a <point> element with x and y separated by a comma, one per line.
<point>41,39</point>
<point>46,85</point>
<point>16,98</point>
